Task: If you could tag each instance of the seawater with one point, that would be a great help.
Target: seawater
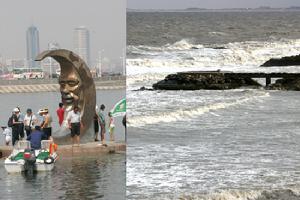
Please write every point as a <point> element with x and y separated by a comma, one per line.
<point>233,144</point>
<point>100,177</point>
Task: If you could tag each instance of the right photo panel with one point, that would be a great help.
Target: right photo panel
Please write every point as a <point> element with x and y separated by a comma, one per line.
<point>213,99</point>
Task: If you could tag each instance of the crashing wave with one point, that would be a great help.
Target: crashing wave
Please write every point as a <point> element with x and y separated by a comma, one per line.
<point>189,113</point>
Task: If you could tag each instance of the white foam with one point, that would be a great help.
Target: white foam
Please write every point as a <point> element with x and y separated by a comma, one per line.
<point>189,113</point>
<point>181,56</point>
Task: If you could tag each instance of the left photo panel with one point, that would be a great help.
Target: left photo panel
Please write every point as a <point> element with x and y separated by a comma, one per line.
<point>63,99</point>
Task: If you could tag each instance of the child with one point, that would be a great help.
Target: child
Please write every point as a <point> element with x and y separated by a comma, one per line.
<point>111,127</point>
<point>7,132</point>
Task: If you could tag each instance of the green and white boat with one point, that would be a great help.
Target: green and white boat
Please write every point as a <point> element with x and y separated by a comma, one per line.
<point>23,158</point>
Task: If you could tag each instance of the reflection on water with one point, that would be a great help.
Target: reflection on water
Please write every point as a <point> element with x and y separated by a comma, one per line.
<point>100,177</point>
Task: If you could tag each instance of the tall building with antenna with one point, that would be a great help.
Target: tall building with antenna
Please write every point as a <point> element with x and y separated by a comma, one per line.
<point>33,46</point>
<point>82,43</point>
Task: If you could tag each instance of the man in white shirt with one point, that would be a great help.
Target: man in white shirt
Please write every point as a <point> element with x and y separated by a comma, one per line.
<point>30,121</point>
<point>74,122</point>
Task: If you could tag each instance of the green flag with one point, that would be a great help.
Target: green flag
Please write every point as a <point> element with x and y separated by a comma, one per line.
<point>119,109</point>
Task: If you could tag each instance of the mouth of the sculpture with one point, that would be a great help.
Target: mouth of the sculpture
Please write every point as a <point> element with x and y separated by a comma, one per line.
<point>68,100</point>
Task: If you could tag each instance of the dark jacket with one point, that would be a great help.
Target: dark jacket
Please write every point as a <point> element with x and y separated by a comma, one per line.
<point>35,139</point>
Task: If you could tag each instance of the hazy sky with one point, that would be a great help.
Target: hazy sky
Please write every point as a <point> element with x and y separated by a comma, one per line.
<point>56,19</point>
<point>177,4</point>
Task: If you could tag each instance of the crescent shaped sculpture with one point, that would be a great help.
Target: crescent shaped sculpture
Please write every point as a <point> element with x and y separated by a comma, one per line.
<point>76,84</point>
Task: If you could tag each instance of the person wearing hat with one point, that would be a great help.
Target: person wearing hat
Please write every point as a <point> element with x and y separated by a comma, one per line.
<point>46,124</point>
<point>30,121</point>
<point>17,125</point>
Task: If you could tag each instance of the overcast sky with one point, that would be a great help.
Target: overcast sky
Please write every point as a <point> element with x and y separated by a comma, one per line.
<point>177,4</point>
<point>56,19</point>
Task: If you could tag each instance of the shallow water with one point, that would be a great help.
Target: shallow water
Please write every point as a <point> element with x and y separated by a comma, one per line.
<point>101,177</point>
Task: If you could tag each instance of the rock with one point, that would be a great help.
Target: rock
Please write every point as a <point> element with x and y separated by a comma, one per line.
<point>219,47</point>
<point>278,195</point>
<point>143,88</point>
<point>285,84</point>
<point>284,61</point>
<point>197,81</point>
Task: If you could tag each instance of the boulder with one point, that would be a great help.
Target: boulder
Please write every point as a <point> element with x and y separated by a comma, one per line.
<point>284,61</point>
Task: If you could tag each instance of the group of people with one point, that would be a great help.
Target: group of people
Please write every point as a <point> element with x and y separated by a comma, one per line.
<point>20,124</point>
<point>37,129</point>
<point>99,120</point>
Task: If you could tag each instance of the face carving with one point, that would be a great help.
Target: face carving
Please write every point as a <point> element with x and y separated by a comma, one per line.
<point>70,88</point>
<point>76,85</point>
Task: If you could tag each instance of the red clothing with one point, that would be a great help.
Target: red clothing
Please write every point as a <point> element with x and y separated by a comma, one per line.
<point>60,114</point>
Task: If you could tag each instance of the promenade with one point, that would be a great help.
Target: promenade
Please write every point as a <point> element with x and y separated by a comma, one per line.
<point>51,85</point>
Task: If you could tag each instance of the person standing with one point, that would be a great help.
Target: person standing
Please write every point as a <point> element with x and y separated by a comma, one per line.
<point>46,124</point>
<point>96,124</point>
<point>102,123</point>
<point>111,127</point>
<point>7,133</point>
<point>16,126</point>
<point>30,121</point>
<point>60,113</point>
<point>21,126</point>
<point>74,122</point>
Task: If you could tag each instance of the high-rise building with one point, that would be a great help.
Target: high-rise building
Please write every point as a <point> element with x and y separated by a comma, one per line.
<point>82,43</point>
<point>33,46</point>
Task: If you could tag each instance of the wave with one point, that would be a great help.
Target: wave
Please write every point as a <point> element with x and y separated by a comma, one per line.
<point>190,113</point>
<point>280,194</point>
<point>186,54</point>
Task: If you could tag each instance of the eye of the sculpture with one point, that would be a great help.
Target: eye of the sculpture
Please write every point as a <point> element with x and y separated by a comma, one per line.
<point>72,83</point>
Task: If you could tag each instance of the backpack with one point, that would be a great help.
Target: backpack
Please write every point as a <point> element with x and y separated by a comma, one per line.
<point>10,121</point>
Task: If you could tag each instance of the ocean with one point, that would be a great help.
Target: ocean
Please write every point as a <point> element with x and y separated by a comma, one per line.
<point>232,144</point>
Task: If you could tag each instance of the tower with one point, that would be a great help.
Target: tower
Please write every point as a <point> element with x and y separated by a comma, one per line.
<point>82,43</point>
<point>33,46</point>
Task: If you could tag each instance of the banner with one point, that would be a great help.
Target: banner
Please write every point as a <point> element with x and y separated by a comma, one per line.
<point>119,109</point>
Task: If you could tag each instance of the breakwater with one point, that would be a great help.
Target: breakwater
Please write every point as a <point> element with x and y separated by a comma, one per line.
<point>51,85</point>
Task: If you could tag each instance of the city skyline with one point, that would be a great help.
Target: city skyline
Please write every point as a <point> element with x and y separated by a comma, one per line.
<point>107,30</point>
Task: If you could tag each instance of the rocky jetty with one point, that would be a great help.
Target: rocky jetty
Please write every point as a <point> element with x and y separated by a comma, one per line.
<point>284,61</point>
<point>285,84</point>
<point>209,81</point>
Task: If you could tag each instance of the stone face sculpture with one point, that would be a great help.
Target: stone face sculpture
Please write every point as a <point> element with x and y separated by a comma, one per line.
<point>76,84</point>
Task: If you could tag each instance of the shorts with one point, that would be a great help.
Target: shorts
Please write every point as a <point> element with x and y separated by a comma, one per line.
<point>48,132</point>
<point>96,126</point>
<point>75,129</point>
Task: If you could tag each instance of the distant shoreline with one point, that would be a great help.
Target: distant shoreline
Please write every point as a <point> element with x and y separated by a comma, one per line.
<point>51,85</point>
<point>260,9</point>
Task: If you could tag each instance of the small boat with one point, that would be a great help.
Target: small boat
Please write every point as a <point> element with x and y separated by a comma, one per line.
<point>23,158</point>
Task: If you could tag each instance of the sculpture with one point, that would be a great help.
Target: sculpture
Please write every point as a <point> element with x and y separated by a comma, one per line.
<point>76,84</point>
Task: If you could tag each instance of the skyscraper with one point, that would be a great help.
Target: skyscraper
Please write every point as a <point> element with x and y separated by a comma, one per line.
<point>33,46</point>
<point>82,43</point>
